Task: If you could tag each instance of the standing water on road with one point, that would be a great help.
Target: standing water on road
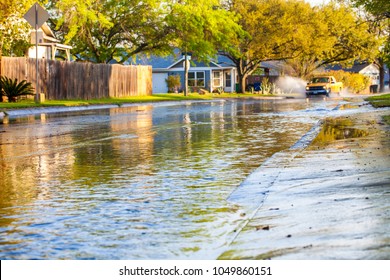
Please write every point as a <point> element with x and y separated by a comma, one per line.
<point>139,182</point>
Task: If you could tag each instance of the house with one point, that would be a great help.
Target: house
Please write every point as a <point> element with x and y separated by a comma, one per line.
<point>219,74</point>
<point>48,46</point>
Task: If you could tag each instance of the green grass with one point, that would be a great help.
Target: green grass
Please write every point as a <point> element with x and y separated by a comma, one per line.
<point>29,103</point>
<point>387,119</point>
<point>137,99</point>
<point>380,100</point>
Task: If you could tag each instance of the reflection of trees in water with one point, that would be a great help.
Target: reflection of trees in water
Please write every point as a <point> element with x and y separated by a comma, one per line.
<point>338,129</point>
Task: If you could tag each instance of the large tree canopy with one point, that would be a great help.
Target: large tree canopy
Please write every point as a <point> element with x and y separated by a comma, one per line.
<point>277,29</point>
<point>306,36</point>
<point>202,27</point>
<point>337,35</point>
<point>103,30</point>
<point>376,7</point>
<point>377,15</point>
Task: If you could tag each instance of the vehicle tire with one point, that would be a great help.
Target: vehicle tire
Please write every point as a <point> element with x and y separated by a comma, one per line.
<point>328,93</point>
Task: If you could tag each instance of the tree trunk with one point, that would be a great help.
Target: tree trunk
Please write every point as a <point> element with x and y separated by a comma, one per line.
<point>241,83</point>
<point>242,76</point>
<point>381,76</point>
<point>379,62</point>
<point>388,75</point>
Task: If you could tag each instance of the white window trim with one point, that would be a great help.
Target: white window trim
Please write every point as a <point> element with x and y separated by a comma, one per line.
<point>196,79</point>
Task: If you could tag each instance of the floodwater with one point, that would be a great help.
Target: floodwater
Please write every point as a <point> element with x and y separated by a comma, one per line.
<point>137,182</point>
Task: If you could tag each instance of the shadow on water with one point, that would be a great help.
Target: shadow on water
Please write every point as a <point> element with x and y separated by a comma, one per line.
<point>338,129</point>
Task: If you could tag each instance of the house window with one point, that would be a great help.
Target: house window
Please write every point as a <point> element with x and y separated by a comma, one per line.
<point>217,81</point>
<point>196,79</point>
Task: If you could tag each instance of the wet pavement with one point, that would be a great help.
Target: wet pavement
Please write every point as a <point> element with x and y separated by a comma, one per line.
<point>329,200</point>
<point>244,180</point>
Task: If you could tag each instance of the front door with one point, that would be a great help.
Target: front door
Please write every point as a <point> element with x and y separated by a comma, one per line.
<point>228,81</point>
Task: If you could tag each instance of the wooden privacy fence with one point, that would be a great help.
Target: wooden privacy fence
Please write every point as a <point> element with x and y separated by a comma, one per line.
<point>61,80</point>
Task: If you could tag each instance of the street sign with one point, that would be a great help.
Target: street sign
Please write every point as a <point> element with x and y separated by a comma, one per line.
<point>36,16</point>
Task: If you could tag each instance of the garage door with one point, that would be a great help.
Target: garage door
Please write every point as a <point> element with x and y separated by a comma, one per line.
<point>159,83</point>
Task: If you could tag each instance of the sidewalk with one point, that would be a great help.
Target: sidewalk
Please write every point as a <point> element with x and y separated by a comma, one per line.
<point>330,200</point>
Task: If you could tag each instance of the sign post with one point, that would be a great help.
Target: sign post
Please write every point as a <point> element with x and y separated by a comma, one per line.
<point>36,16</point>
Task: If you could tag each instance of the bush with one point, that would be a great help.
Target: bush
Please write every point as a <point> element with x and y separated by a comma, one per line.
<point>13,89</point>
<point>340,76</point>
<point>358,82</point>
<point>355,82</point>
<point>266,86</point>
<point>173,83</point>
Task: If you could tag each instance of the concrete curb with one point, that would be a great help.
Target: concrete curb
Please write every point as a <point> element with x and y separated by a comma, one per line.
<point>46,110</point>
<point>50,110</point>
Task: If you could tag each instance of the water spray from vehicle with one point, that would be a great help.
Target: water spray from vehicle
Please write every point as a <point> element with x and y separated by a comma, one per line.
<point>291,85</point>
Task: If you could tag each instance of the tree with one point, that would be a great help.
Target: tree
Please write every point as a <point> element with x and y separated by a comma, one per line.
<point>378,17</point>
<point>337,35</point>
<point>275,31</point>
<point>308,37</point>
<point>376,7</point>
<point>14,30</point>
<point>105,30</point>
<point>202,27</point>
<point>317,40</point>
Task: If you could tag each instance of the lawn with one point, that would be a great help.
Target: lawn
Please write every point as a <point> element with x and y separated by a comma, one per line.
<point>136,99</point>
<point>119,101</point>
<point>380,100</point>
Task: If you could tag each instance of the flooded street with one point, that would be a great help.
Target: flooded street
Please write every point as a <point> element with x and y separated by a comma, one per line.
<point>138,182</point>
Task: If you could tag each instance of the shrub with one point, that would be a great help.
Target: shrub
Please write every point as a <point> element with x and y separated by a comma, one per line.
<point>173,83</point>
<point>355,82</point>
<point>13,89</point>
<point>266,86</point>
<point>358,82</point>
<point>340,76</point>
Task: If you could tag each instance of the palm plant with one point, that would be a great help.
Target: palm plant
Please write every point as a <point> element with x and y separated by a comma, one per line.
<point>13,89</point>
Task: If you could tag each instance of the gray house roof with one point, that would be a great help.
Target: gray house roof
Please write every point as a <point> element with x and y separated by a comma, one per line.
<point>176,60</point>
<point>356,68</point>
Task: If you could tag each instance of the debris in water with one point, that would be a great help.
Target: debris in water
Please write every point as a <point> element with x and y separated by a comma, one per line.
<point>262,228</point>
